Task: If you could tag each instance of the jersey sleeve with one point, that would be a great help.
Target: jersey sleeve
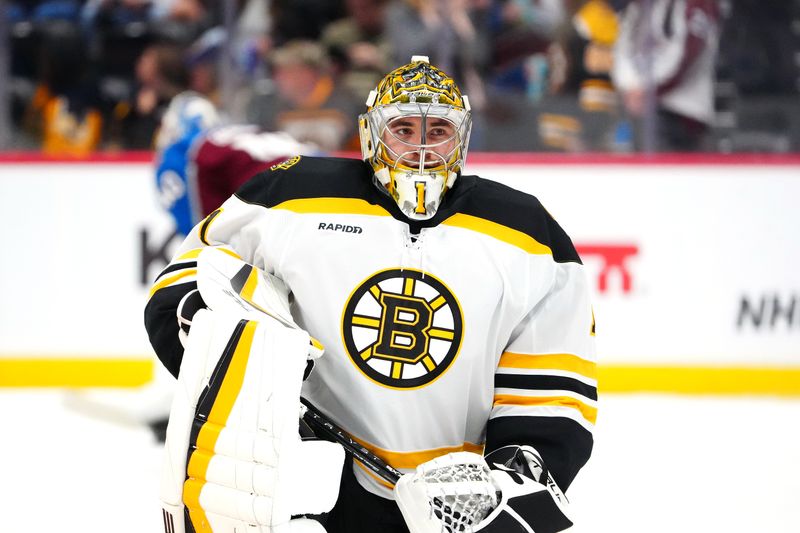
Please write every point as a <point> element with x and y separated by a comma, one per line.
<point>230,226</point>
<point>546,382</point>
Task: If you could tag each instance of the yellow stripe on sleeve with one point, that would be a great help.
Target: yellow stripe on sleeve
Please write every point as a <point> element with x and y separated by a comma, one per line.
<point>588,412</point>
<point>194,252</point>
<point>410,460</point>
<point>172,279</point>
<point>500,232</point>
<point>560,361</point>
<point>191,254</point>
<point>373,475</point>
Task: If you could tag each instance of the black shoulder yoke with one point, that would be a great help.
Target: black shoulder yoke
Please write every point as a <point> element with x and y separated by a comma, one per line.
<point>308,177</point>
<point>517,210</point>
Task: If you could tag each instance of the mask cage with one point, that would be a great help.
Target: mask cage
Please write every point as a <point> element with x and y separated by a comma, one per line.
<point>429,161</point>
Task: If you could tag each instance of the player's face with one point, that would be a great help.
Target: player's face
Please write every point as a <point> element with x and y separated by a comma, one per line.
<point>404,135</point>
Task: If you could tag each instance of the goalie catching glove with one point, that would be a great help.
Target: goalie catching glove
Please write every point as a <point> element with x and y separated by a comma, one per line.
<point>236,412</point>
<point>509,491</point>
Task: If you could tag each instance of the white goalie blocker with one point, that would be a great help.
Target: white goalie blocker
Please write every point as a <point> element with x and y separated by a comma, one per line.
<point>234,461</point>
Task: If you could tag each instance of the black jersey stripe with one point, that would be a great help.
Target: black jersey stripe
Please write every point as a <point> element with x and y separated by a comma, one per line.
<point>162,326</point>
<point>176,266</point>
<point>527,382</point>
<point>564,444</point>
<point>206,224</point>
<point>311,177</point>
<point>517,210</point>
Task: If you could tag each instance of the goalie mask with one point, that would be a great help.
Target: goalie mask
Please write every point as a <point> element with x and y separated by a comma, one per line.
<point>415,134</point>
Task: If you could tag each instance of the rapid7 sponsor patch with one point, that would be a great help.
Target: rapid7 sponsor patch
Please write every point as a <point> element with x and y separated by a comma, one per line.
<point>327,226</point>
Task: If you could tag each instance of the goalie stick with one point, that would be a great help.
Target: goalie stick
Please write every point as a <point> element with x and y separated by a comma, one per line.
<point>450,518</point>
<point>322,424</point>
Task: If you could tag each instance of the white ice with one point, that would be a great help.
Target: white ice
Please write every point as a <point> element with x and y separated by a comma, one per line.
<point>662,464</point>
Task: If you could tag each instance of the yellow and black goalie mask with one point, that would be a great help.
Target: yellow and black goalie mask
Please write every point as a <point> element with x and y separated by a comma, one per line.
<point>415,135</point>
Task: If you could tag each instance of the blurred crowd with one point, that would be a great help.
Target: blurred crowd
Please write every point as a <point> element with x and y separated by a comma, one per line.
<point>542,75</point>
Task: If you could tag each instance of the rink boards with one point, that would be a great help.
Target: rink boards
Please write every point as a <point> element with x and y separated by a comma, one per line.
<point>693,262</point>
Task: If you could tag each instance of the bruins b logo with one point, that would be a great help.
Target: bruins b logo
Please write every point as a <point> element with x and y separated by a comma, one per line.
<point>402,329</point>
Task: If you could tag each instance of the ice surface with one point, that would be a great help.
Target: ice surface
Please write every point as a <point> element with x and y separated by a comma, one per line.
<point>661,464</point>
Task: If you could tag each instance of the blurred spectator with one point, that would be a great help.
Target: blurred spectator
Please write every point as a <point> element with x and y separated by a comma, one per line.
<point>306,101</point>
<point>64,113</point>
<point>302,19</point>
<point>667,51</point>
<point>448,32</point>
<point>357,45</point>
<point>758,82</point>
<point>580,106</point>
<point>120,12</point>
<point>161,73</point>
<point>519,30</point>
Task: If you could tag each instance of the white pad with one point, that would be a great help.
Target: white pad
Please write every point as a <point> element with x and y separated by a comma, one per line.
<point>231,285</point>
<point>239,383</point>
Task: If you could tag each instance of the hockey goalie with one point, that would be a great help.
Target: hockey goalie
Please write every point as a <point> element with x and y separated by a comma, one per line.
<point>439,324</point>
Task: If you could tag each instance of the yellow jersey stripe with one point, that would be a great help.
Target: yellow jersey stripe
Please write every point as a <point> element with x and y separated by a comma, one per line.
<point>500,232</point>
<point>560,361</point>
<point>218,416</point>
<point>191,254</point>
<point>373,475</point>
<point>316,344</point>
<point>410,460</point>
<point>194,252</point>
<point>588,412</point>
<point>172,279</point>
<point>341,206</point>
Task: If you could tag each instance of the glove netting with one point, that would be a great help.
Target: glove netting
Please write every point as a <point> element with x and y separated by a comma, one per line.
<point>460,495</point>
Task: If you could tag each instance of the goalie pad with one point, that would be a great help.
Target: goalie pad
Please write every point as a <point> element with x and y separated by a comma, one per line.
<point>459,493</point>
<point>236,412</point>
<point>228,284</point>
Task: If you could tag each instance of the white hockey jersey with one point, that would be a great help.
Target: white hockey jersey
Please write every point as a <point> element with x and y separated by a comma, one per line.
<point>471,330</point>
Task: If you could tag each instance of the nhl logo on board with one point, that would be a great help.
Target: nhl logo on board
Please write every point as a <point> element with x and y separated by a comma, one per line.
<point>402,328</point>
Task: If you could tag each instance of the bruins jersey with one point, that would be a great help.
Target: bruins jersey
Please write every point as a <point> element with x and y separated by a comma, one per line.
<point>468,331</point>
